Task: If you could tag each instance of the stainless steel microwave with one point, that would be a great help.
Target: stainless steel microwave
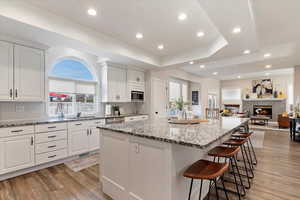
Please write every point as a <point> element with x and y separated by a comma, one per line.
<point>137,96</point>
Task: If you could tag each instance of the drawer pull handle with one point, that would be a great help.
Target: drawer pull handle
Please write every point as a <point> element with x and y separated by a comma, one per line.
<point>17,131</point>
<point>52,136</point>
<point>51,146</point>
<point>78,124</point>
<point>50,127</point>
<point>52,156</point>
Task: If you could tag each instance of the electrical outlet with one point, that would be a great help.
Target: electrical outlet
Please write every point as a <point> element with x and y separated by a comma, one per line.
<point>20,108</point>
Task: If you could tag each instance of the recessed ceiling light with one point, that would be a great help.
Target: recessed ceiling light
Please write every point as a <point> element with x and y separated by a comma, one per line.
<point>215,73</point>
<point>247,51</point>
<point>191,62</point>
<point>92,12</point>
<point>139,36</point>
<point>202,66</point>
<point>239,77</point>
<point>267,74</point>
<point>182,17</point>
<point>160,47</point>
<point>267,55</point>
<point>268,66</point>
<point>236,30</point>
<point>200,34</point>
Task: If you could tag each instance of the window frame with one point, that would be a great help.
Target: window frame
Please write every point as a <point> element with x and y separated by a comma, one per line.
<point>95,82</point>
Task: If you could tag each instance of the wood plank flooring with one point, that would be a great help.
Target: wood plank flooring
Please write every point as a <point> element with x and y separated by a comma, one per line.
<point>277,177</point>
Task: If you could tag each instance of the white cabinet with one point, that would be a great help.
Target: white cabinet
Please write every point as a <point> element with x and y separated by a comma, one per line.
<point>135,76</point>
<point>83,136</point>
<point>22,73</point>
<point>29,74</point>
<point>114,171</point>
<point>132,160</point>
<point>6,71</point>
<point>114,84</point>
<point>94,139</point>
<point>78,141</point>
<point>141,157</point>
<point>17,152</point>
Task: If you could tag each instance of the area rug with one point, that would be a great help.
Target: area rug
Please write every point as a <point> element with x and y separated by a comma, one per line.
<point>83,162</point>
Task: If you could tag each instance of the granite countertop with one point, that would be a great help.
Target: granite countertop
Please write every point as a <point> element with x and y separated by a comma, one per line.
<point>29,122</point>
<point>199,135</point>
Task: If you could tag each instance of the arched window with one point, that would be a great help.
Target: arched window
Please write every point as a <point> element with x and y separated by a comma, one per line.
<point>72,69</point>
<point>72,89</point>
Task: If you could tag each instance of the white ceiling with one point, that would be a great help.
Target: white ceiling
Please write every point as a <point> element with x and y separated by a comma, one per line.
<point>267,26</point>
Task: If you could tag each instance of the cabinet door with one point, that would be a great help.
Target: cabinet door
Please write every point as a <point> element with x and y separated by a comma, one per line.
<point>141,158</point>
<point>29,74</point>
<point>114,168</point>
<point>94,139</point>
<point>18,153</point>
<point>117,85</point>
<point>78,141</point>
<point>6,71</point>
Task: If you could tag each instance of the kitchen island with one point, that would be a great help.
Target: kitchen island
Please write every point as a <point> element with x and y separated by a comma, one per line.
<point>146,160</point>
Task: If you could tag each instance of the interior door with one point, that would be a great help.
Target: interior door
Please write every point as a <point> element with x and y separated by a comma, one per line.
<point>6,71</point>
<point>94,139</point>
<point>29,74</point>
<point>78,141</point>
<point>159,98</point>
<point>18,152</point>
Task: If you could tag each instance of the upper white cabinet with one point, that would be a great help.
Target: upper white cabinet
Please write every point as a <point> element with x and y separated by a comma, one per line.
<point>136,76</point>
<point>29,74</point>
<point>6,71</point>
<point>114,84</point>
<point>21,73</point>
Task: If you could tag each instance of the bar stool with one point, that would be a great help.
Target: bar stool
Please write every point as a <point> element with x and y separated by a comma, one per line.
<point>248,136</point>
<point>230,153</point>
<point>206,170</point>
<point>241,144</point>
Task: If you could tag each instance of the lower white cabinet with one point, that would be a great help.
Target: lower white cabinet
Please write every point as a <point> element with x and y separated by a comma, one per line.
<point>134,168</point>
<point>78,141</point>
<point>17,153</point>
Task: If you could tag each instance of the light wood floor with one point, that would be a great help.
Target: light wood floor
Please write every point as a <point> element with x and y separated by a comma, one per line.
<point>277,177</point>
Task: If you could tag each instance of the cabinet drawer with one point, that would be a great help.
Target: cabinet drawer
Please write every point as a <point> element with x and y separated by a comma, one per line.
<point>15,131</point>
<point>50,146</point>
<point>51,136</point>
<point>51,156</point>
<point>79,125</point>
<point>50,127</point>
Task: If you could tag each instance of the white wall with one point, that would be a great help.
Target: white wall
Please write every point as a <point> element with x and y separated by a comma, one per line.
<point>208,86</point>
<point>280,83</point>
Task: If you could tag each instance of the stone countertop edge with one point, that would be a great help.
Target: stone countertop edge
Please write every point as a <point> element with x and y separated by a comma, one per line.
<point>16,123</point>
<point>173,141</point>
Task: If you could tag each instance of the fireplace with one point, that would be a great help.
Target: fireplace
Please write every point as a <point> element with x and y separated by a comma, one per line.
<point>263,110</point>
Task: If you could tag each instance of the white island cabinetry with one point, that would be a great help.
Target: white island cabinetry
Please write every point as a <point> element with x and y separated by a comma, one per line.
<point>132,159</point>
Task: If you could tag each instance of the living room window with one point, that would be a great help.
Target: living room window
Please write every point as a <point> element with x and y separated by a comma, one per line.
<point>72,89</point>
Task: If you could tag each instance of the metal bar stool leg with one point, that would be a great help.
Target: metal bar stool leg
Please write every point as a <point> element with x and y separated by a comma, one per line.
<point>245,165</point>
<point>191,187</point>
<point>240,177</point>
<point>200,193</point>
<point>254,154</point>
<point>235,180</point>
<point>249,163</point>
<point>216,187</point>
<point>224,188</point>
